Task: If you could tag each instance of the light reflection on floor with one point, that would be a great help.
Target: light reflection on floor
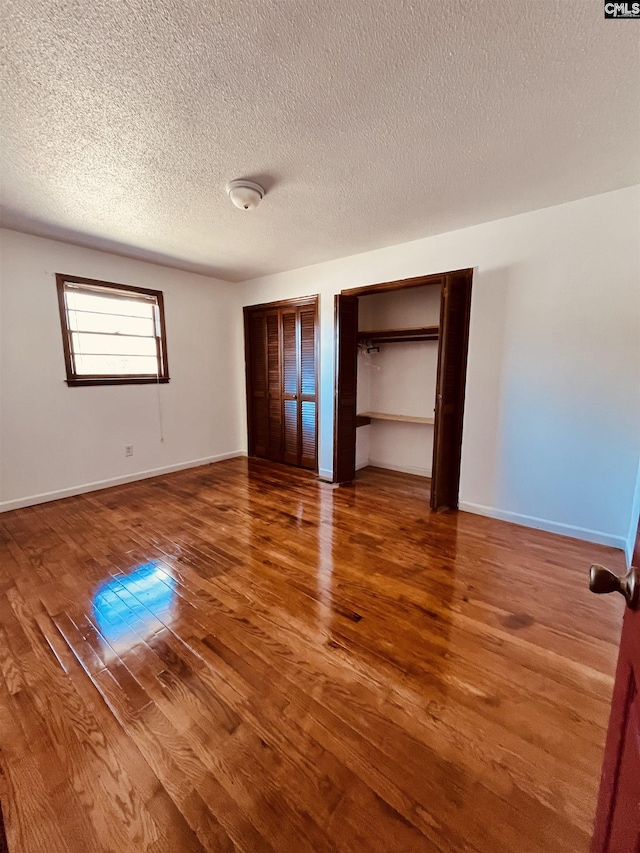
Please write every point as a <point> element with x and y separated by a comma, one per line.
<point>130,608</point>
<point>324,578</point>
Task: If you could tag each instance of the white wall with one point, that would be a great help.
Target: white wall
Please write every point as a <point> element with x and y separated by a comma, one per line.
<point>552,417</point>
<point>400,379</point>
<point>57,440</point>
<point>400,309</point>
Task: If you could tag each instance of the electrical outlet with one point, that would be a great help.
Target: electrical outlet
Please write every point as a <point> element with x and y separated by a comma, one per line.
<point>128,450</point>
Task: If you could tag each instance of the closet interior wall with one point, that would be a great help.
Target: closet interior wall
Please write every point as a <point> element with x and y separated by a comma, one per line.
<point>399,379</point>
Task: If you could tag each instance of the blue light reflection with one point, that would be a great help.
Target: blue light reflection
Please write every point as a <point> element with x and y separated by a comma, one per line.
<point>130,607</point>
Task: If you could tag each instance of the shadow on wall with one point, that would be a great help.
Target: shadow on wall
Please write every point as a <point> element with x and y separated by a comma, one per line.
<point>48,230</point>
<point>484,420</point>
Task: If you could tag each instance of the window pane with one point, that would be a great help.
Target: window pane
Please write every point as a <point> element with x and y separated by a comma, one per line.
<point>114,365</point>
<point>111,331</point>
<point>88,344</point>
<point>109,304</point>
<point>92,322</point>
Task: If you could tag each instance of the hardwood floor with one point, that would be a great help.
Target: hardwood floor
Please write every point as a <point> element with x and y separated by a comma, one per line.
<point>238,657</point>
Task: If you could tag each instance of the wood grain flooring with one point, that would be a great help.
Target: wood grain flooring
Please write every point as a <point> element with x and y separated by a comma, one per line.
<point>240,658</point>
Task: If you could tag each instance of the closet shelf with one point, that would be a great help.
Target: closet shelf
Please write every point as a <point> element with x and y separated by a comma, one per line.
<point>383,416</point>
<point>396,336</point>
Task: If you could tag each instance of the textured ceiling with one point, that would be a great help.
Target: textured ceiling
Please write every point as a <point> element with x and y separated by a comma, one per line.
<point>369,123</point>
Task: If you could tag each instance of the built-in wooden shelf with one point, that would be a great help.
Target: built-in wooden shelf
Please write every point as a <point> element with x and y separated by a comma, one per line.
<point>383,416</point>
<point>396,336</point>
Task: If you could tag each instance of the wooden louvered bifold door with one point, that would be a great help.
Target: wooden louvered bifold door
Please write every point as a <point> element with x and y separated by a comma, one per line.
<point>282,382</point>
<point>290,389</point>
<point>274,386</point>
<point>308,394</point>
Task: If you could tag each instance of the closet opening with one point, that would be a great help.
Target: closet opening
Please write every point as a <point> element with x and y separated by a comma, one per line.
<point>281,358</point>
<point>401,359</point>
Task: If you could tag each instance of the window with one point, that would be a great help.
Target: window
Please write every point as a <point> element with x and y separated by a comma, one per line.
<point>112,334</point>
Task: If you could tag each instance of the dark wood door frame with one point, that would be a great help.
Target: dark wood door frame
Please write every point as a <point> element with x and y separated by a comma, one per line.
<point>453,344</point>
<point>346,369</point>
<point>455,300</point>
<point>248,310</point>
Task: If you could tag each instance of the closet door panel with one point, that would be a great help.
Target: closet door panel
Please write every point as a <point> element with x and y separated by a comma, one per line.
<point>290,389</point>
<point>308,388</point>
<point>261,427</point>
<point>289,353</point>
<point>291,432</point>
<point>274,385</point>
<point>309,432</point>
<point>275,429</point>
<point>308,352</point>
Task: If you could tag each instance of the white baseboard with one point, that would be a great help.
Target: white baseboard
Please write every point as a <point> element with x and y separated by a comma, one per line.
<point>402,469</point>
<point>7,506</point>
<point>597,536</point>
<point>325,474</point>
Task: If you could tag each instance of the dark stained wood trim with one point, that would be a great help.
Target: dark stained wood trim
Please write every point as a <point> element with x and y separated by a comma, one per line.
<point>337,390</point>
<point>316,333</point>
<point>64,327</point>
<point>163,337</point>
<point>613,778</point>
<point>117,380</point>
<point>344,466</point>
<point>298,302</point>
<point>73,379</point>
<point>95,282</point>
<point>401,284</point>
<point>445,494</point>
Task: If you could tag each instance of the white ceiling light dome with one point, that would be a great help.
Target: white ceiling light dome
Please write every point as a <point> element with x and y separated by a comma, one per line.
<point>245,194</point>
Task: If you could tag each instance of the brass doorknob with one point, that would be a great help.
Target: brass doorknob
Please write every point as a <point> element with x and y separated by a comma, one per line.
<point>601,581</point>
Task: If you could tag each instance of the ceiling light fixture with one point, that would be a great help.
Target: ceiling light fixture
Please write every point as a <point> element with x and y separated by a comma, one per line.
<point>245,194</point>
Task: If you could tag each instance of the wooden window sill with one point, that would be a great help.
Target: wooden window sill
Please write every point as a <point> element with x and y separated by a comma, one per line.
<point>119,380</point>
